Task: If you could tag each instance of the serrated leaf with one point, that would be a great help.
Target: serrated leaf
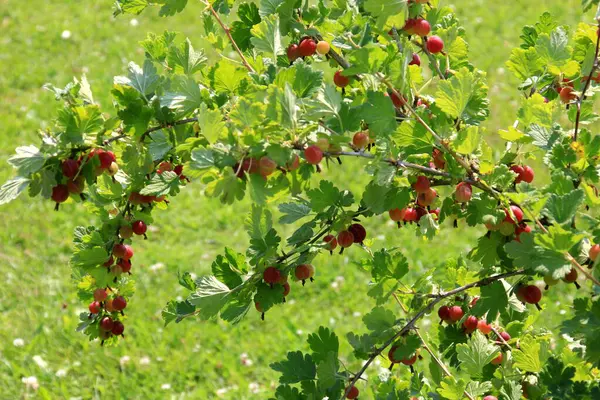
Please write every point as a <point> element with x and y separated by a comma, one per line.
<point>296,368</point>
<point>475,355</point>
<point>11,189</point>
<point>89,257</point>
<point>562,209</point>
<point>464,96</point>
<point>184,97</point>
<point>531,354</point>
<point>379,319</point>
<point>292,212</point>
<point>467,140</point>
<point>210,296</point>
<point>161,184</point>
<point>267,37</point>
<point>27,160</point>
<point>327,370</point>
<point>322,343</point>
<point>159,146</point>
<point>143,79</point>
<point>543,261</point>
<point>304,80</point>
<point>211,123</point>
<point>493,300</point>
<point>378,112</point>
<point>186,60</point>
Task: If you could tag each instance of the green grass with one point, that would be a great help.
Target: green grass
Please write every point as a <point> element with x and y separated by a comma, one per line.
<point>38,301</point>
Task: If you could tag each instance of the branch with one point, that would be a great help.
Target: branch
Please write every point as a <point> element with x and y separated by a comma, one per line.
<point>586,86</point>
<point>150,130</point>
<point>228,33</point>
<point>410,324</point>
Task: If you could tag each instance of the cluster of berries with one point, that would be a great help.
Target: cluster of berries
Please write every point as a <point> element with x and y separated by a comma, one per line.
<point>107,310</point>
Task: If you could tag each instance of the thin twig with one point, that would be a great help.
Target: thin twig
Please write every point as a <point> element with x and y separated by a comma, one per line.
<point>228,33</point>
<point>586,85</point>
<point>150,130</point>
<point>410,324</point>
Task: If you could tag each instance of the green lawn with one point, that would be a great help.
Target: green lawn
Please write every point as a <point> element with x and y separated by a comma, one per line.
<point>200,360</point>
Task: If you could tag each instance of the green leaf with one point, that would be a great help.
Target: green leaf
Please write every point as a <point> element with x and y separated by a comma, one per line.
<point>267,37</point>
<point>202,159</point>
<point>89,257</point>
<point>363,345</point>
<point>468,139</point>
<point>327,103</point>
<point>413,136</point>
<point>186,280</point>
<point>303,79</point>
<point>476,354</point>
<point>159,146</point>
<point>227,76</point>
<point>327,370</point>
<point>535,110</point>
<point>493,300</point>
<point>328,195</point>
<point>144,80</point>
<point>379,319</point>
<point>524,63</point>
<point>562,209</point>
<point>210,296</point>
<point>240,30</point>
<point>132,6</point>
<point>553,49</point>
<point>172,7</point>
<point>186,60</point>
<point>406,347</point>
<point>543,261</point>
<point>365,60</point>
<point>486,251</point>
<point>558,239</point>
<point>388,12</point>
<point>11,189</point>
<point>585,326</point>
<point>28,160</point>
<point>531,354</point>
<point>323,343</point>
<point>388,265</point>
<point>379,113</point>
<point>452,389</point>
<point>225,272</point>
<point>292,212</point>
<point>211,123</point>
<point>296,368</point>
<point>161,184</point>
<point>374,197</point>
<point>185,96</point>
<point>263,248</point>
<point>464,96</point>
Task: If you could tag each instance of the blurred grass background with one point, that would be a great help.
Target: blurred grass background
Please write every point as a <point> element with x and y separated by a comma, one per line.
<point>52,42</point>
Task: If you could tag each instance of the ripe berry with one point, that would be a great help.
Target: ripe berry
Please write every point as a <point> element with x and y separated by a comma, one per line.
<point>313,155</point>
<point>571,276</point>
<point>438,159</point>
<point>484,327</point>
<point>358,232</point>
<point>422,184</point>
<point>463,192</point>
<point>70,167</point>
<point>345,239</point>
<point>286,289</point>
<point>304,272</point>
<point>340,80</point>
<point>76,186</point>
<point>119,303</point>
<point>416,60</point>
<point>125,231</point>
<point>410,215</point>
<point>522,228</point>
<point>497,360</point>
<point>258,307</point>
<point>307,47</point>
<point>361,140</point>
<point>178,169</point>
<point>331,242</point>
<point>139,227</point>
<point>397,214</point>
<point>532,294</point>
<point>106,324</point>
<point>118,328</point>
<point>391,355</point>
<point>109,262</point>
<point>455,313</point>
<point>352,393</point>
<point>421,212</point>
<point>60,193</point>
<point>470,324</point>
<point>294,164</point>
<point>125,265</point>
<point>518,213</point>
<point>292,52</point>
<point>100,294</point>
<point>528,174</point>
<point>409,361</point>
<point>323,47</point>
<point>106,159</point>
<point>108,306</point>
<point>122,251</point>
<point>594,251</point>
<point>503,335</point>
<point>271,275</point>
<point>435,44</point>
<point>567,94</point>
<point>95,307</point>
<point>444,313</point>
<point>398,100</point>
<point>266,166</point>
<point>422,27</point>
<point>409,26</point>
<point>517,169</point>
<point>490,398</point>
<point>426,198</point>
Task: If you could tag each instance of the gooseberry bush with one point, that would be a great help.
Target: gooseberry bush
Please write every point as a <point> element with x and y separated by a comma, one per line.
<point>304,85</point>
